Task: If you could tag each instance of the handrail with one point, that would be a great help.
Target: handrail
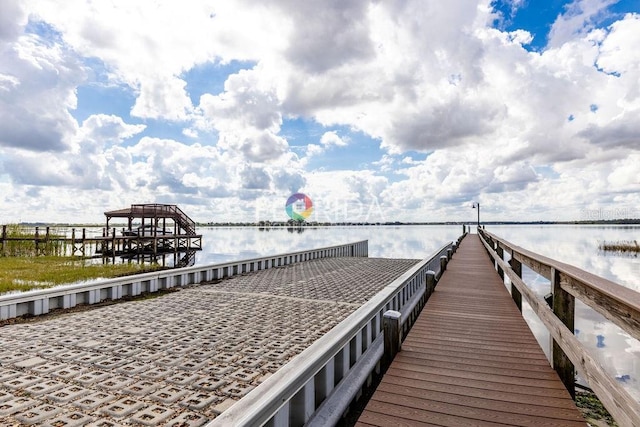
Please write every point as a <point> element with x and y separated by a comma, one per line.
<point>292,394</point>
<point>617,303</point>
<point>184,220</point>
<point>568,282</point>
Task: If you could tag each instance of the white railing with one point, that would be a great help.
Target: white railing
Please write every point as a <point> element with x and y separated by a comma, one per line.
<point>41,301</point>
<point>316,387</point>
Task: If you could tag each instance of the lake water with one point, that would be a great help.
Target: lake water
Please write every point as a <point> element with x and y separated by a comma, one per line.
<point>577,245</point>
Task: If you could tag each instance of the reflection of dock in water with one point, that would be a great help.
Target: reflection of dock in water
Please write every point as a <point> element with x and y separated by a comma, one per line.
<point>178,258</point>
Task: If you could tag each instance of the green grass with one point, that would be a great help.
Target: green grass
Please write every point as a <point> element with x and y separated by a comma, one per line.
<point>592,409</point>
<point>25,273</point>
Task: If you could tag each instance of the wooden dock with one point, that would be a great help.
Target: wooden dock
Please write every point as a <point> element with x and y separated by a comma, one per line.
<point>470,359</point>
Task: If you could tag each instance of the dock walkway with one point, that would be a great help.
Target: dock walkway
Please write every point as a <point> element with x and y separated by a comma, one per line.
<point>470,360</point>
<point>182,358</point>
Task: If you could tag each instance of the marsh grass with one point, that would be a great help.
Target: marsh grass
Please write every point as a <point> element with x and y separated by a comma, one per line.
<point>22,242</point>
<point>25,273</point>
<point>620,246</point>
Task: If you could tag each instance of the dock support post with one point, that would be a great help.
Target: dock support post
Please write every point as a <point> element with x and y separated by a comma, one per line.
<point>392,336</point>
<point>84,237</point>
<point>114,242</point>
<point>431,282</point>
<point>516,266</point>
<point>443,264</point>
<point>564,309</point>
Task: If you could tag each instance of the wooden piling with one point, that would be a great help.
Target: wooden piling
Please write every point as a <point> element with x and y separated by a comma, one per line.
<point>443,264</point>
<point>431,282</point>
<point>392,336</point>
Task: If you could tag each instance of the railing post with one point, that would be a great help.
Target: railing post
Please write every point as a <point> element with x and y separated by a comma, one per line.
<point>564,309</point>
<point>516,266</point>
<point>392,336</point>
<point>500,253</point>
<point>449,254</point>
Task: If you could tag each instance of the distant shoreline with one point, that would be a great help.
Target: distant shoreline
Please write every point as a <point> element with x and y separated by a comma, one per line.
<point>279,224</point>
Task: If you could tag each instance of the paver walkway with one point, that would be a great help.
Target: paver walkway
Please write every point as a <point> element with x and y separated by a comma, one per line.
<point>181,358</point>
<point>470,360</point>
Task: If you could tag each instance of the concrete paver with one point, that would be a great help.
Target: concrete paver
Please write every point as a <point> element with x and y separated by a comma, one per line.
<point>182,358</point>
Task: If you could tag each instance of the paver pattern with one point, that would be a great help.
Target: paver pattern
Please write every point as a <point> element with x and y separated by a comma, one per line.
<point>182,358</point>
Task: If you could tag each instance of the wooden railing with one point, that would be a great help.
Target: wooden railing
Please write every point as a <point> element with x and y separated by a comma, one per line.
<point>618,304</point>
<point>170,211</point>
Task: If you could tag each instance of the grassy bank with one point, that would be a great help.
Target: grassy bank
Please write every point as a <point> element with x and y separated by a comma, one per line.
<point>25,273</point>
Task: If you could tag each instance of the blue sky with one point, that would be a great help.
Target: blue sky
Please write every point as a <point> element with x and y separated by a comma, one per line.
<point>400,110</point>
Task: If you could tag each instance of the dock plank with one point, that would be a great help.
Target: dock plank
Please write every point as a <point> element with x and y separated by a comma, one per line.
<point>471,360</point>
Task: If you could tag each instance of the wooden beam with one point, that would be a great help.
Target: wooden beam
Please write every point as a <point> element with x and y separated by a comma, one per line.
<point>623,314</point>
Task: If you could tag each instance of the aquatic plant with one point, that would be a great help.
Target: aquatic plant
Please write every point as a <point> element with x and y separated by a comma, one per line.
<point>620,246</point>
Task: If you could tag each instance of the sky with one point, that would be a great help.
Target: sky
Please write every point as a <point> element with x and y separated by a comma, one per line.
<point>394,110</point>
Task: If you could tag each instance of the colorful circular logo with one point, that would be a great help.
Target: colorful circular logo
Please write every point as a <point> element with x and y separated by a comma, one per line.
<point>299,207</point>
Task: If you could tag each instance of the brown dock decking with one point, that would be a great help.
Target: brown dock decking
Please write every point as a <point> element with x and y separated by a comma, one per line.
<point>470,360</point>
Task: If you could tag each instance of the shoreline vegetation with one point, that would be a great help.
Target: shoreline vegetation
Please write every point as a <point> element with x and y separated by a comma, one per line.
<point>592,409</point>
<point>25,266</point>
<point>289,223</point>
<point>26,273</point>
<point>623,246</point>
